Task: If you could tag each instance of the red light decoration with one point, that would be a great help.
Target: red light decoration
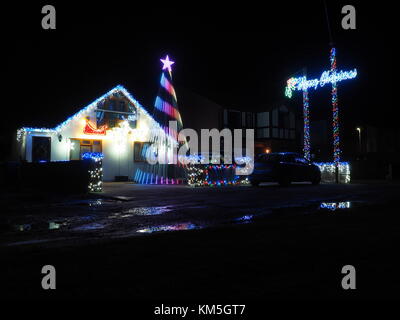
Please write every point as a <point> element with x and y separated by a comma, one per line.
<point>89,129</point>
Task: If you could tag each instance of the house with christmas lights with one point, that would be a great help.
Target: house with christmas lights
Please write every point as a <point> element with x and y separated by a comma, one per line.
<point>117,129</point>
<point>115,125</point>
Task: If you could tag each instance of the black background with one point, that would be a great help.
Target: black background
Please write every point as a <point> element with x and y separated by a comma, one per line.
<point>239,56</point>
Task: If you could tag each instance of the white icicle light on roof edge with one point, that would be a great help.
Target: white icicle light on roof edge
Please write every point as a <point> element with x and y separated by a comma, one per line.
<point>86,110</point>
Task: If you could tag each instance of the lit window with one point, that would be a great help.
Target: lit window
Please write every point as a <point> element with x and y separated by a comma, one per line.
<point>79,147</point>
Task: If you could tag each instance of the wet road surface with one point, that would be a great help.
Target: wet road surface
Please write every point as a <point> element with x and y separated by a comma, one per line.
<point>124,210</point>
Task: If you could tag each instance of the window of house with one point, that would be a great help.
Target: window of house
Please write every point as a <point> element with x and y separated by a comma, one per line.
<point>234,119</point>
<point>262,119</point>
<point>96,146</point>
<point>249,120</point>
<point>262,133</point>
<point>281,119</point>
<point>121,106</point>
<point>140,150</point>
<point>113,111</point>
<point>262,122</point>
<point>79,146</point>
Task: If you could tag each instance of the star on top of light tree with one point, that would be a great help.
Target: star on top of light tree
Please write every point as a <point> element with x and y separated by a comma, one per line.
<point>167,63</point>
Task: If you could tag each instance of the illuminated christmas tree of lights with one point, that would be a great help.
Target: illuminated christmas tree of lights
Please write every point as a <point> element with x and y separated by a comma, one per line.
<point>161,141</point>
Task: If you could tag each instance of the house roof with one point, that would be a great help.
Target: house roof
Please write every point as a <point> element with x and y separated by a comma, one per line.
<point>118,88</point>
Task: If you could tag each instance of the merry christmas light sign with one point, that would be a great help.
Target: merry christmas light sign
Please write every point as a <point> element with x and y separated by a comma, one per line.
<point>327,77</point>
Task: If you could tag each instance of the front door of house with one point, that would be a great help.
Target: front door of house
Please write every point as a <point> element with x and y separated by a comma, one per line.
<point>41,149</point>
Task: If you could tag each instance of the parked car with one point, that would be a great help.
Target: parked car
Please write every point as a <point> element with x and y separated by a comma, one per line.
<point>284,168</point>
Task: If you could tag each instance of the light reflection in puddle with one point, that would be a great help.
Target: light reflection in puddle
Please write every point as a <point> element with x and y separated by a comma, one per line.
<point>245,218</point>
<point>90,202</point>
<point>120,216</point>
<point>332,206</point>
<point>172,227</point>
<point>147,211</point>
<point>85,218</point>
<point>141,211</point>
<point>23,227</point>
<point>90,226</point>
<point>93,203</point>
<point>54,225</point>
<point>27,242</point>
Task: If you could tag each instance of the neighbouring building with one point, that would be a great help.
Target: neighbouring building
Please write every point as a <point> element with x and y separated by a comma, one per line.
<point>277,129</point>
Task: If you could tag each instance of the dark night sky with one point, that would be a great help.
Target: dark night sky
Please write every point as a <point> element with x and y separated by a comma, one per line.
<point>237,56</point>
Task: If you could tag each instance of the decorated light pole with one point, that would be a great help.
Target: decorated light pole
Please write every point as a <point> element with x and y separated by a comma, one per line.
<point>303,84</point>
<point>335,111</point>
<point>306,117</point>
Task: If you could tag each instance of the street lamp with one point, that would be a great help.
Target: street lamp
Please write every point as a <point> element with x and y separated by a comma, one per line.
<point>359,137</point>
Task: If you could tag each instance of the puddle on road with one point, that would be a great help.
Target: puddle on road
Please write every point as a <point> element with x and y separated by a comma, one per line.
<point>23,227</point>
<point>89,223</point>
<point>58,224</point>
<point>171,227</point>
<point>123,198</point>
<point>244,219</point>
<point>319,206</point>
<point>18,243</point>
<point>147,211</point>
<point>84,218</point>
<point>341,205</point>
<point>89,227</point>
<point>333,206</point>
<point>140,211</point>
<point>89,202</point>
<point>94,203</point>
<point>54,225</point>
